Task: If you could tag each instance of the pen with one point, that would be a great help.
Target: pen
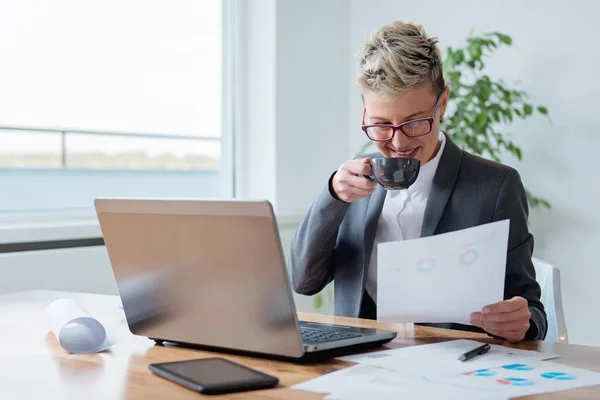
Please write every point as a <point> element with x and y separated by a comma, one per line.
<point>484,348</point>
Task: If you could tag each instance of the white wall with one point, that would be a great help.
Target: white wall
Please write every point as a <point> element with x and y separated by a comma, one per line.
<point>292,117</point>
<point>556,58</point>
<point>88,270</point>
<point>80,270</point>
<point>312,88</point>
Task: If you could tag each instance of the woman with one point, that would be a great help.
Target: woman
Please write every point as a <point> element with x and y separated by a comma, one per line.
<point>405,96</point>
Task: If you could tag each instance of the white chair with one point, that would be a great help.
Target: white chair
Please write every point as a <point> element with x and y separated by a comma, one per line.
<point>548,277</point>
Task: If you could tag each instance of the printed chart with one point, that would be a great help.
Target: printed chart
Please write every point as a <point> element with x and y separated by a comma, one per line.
<point>431,371</point>
<point>468,257</point>
<point>445,267</point>
<point>521,378</point>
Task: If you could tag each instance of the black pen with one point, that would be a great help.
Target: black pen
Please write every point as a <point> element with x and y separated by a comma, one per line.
<point>484,348</point>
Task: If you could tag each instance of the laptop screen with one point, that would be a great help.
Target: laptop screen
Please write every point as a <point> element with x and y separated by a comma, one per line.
<point>210,278</point>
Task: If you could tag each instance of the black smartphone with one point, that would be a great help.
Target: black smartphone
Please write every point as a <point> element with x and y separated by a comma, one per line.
<point>214,375</point>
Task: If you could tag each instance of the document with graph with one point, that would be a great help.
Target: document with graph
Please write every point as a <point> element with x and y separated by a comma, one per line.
<point>432,371</point>
<point>442,278</point>
<point>508,381</point>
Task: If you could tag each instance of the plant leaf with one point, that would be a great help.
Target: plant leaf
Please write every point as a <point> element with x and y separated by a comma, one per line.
<point>527,109</point>
<point>496,115</point>
<point>459,56</point>
<point>318,301</point>
<point>481,120</point>
<point>543,110</point>
<point>536,202</point>
<point>455,78</point>
<point>505,39</point>
<point>485,90</point>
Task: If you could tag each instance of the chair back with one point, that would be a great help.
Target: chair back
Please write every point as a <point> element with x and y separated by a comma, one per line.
<point>548,277</point>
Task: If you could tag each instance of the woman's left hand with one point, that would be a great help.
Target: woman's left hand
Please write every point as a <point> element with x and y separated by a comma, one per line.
<point>508,319</point>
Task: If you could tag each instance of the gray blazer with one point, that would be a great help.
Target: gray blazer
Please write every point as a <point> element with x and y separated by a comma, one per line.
<point>335,239</point>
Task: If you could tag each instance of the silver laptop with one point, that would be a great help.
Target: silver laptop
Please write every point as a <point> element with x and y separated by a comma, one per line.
<point>212,274</point>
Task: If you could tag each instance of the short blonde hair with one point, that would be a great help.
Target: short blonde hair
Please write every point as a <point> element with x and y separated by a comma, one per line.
<point>399,57</point>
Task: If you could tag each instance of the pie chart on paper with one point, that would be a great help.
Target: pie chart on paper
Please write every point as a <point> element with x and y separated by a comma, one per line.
<point>468,257</point>
<point>558,376</point>
<point>516,382</point>
<point>481,372</point>
<point>426,264</point>
<point>518,367</point>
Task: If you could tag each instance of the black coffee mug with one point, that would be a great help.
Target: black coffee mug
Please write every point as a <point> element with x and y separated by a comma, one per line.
<point>394,173</point>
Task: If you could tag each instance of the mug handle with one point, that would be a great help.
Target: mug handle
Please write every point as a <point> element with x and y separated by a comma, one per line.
<point>372,176</point>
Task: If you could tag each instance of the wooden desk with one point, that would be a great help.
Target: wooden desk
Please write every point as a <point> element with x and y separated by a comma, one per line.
<point>33,365</point>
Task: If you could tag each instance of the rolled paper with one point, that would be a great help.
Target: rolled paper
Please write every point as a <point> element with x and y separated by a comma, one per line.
<point>76,330</point>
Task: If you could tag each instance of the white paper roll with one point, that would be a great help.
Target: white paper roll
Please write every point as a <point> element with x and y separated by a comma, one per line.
<point>75,328</point>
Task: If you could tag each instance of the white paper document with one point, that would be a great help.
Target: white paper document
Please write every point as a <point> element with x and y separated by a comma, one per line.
<point>390,385</point>
<point>503,382</point>
<point>433,372</point>
<point>75,328</point>
<point>442,278</point>
<point>364,381</point>
<point>444,356</point>
<point>333,381</point>
<point>516,380</point>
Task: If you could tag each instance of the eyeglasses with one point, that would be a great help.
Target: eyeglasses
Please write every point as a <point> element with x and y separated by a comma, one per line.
<point>414,128</point>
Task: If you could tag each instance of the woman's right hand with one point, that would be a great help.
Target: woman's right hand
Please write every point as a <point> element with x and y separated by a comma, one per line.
<point>348,185</point>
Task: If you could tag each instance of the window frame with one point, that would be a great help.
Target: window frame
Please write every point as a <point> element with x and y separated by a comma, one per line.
<point>58,224</point>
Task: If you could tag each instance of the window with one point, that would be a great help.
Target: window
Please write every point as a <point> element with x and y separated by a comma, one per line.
<point>111,98</point>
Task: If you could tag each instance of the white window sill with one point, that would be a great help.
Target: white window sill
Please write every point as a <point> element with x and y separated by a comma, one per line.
<point>40,227</point>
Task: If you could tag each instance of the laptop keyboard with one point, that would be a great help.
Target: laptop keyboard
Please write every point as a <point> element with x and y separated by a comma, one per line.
<point>310,335</point>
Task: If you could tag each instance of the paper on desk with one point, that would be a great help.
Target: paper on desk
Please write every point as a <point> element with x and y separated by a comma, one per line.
<point>502,382</point>
<point>329,383</point>
<point>363,381</point>
<point>369,381</point>
<point>392,388</point>
<point>444,356</point>
<point>442,278</point>
<point>75,328</point>
<point>517,379</point>
<point>433,372</point>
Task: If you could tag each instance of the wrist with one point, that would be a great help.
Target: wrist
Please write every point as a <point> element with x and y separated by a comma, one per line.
<point>332,191</point>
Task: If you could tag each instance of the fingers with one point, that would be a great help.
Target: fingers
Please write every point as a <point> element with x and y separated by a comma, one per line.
<point>520,325</point>
<point>513,336</point>
<point>349,193</point>
<point>477,319</point>
<point>513,331</point>
<point>506,306</point>
<point>358,167</point>
<point>361,183</point>
<point>347,183</point>
<point>522,313</point>
<point>508,319</point>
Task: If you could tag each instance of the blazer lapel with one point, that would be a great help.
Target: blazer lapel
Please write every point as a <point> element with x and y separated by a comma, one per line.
<point>442,187</point>
<point>371,220</point>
